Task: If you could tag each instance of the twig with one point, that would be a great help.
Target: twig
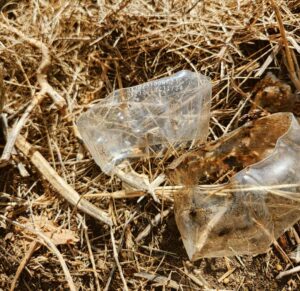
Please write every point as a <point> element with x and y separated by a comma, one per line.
<point>51,246</point>
<point>91,256</point>
<point>154,222</point>
<point>60,185</point>
<point>199,280</point>
<point>116,257</point>
<point>238,112</point>
<point>3,121</point>
<point>32,248</point>
<point>228,273</point>
<point>2,91</point>
<point>290,62</point>
<point>192,7</point>
<point>281,251</point>
<point>166,282</point>
<point>138,182</point>
<point>12,136</point>
<point>45,89</point>
<point>121,241</point>
<point>163,193</point>
<point>4,127</point>
<point>268,61</point>
<point>288,272</point>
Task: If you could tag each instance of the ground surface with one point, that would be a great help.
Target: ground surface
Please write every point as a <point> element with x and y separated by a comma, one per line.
<point>83,50</point>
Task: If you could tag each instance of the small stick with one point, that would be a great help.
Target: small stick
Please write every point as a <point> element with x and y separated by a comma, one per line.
<point>163,194</point>
<point>116,257</point>
<point>290,62</point>
<point>121,241</point>
<point>2,91</point>
<point>134,180</point>
<point>284,256</point>
<point>296,235</point>
<point>32,248</point>
<point>288,272</point>
<point>91,256</point>
<point>4,126</point>
<point>199,280</point>
<point>122,194</point>
<point>59,184</point>
<point>166,282</point>
<point>154,222</point>
<point>13,134</point>
<point>51,246</point>
<point>228,273</point>
<point>3,121</point>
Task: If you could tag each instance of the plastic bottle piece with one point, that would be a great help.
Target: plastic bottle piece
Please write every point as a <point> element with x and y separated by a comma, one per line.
<point>258,204</point>
<point>141,120</point>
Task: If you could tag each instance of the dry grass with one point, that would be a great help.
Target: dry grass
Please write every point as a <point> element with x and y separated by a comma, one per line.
<point>93,48</point>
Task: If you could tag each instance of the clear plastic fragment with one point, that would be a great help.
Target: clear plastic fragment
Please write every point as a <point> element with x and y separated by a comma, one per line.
<point>245,215</point>
<point>141,120</point>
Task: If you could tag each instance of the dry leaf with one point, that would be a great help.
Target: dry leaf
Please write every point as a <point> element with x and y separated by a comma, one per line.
<point>58,235</point>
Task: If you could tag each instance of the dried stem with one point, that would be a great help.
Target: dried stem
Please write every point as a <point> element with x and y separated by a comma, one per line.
<point>154,222</point>
<point>116,257</point>
<point>45,88</point>
<point>92,259</point>
<point>290,63</point>
<point>61,186</point>
<point>32,248</point>
<point>288,272</point>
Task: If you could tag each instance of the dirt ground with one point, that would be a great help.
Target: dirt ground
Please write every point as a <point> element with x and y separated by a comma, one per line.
<point>60,57</point>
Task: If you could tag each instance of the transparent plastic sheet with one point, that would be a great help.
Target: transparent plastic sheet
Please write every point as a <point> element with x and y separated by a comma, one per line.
<point>245,215</point>
<point>142,120</point>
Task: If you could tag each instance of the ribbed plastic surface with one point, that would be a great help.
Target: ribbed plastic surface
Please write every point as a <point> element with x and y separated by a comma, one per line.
<point>140,120</point>
<point>258,204</point>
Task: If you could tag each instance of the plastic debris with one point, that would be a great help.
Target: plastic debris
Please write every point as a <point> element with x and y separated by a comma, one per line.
<point>246,214</point>
<point>145,119</point>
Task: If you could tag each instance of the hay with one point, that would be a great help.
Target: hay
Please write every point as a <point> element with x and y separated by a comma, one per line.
<point>95,47</point>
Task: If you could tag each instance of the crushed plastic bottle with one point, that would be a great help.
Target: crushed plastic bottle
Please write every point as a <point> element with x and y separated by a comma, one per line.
<point>245,215</point>
<point>140,120</point>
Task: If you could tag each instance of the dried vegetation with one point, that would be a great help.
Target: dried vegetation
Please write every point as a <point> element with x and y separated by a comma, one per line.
<point>58,58</point>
